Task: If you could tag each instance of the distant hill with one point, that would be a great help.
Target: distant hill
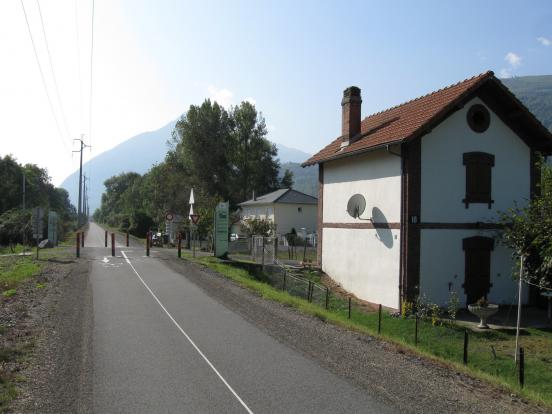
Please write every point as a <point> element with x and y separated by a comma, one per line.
<point>304,179</point>
<point>138,154</point>
<point>536,93</point>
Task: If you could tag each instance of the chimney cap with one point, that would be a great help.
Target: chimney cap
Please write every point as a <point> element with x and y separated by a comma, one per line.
<point>351,91</point>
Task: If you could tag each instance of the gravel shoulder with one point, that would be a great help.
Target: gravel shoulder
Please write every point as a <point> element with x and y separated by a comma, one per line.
<point>410,383</point>
<point>55,374</point>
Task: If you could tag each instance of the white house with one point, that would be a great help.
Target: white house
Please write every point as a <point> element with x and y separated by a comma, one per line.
<point>286,208</point>
<point>429,177</point>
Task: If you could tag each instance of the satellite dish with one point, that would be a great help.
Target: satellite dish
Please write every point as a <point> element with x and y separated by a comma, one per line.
<point>356,205</point>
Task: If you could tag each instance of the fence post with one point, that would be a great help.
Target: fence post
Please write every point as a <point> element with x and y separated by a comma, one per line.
<point>349,307</point>
<point>327,297</point>
<point>82,239</point>
<point>263,252</point>
<point>78,244</point>
<point>112,244</point>
<point>379,318</point>
<point>106,238</point>
<point>521,367</point>
<point>147,243</point>
<point>275,248</point>
<point>465,347</point>
<point>127,239</point>
<point>284,284</point>
<point>179,245</point>
<point>416,332</point>
<point>309,291</point>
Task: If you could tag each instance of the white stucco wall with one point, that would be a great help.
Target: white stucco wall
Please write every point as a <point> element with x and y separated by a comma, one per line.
<point>444,175</point>
<point>444,187</point>
<point>376,175</point>
<point>364,262</point>
<point>287,217</point>
<point>442,261</point>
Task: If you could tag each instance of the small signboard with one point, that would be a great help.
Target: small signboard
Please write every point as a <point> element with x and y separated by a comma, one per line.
<point>169,217</point>
<point>194,218</point>
<point>221,229</point>
<point>37,221</point>
<point>53,227</point>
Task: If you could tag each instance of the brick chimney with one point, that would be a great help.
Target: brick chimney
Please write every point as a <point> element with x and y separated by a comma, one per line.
<point>350,121</point>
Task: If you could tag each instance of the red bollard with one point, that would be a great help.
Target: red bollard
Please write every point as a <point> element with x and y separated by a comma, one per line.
<point>78,244</point>
<point>148,243</point>
<point>127,239</point>
<point>106,238</point>
<point>179,245</point>
<point>112,244</point>
<point>82,239</point>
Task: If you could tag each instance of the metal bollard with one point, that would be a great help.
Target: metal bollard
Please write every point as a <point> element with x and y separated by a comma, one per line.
<point>465,347</point>
<point>379,319</point>
<point>127,239</point>
<point>78,244</point>
<point>179,246</point>
<point>112,244</point>
<point>82,239</point>
<point>106,238</point>
<point>148,243</point>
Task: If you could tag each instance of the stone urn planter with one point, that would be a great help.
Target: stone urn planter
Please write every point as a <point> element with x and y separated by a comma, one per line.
<point>483,312</point>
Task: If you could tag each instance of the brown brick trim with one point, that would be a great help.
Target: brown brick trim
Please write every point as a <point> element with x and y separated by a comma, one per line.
<point>460,226</point>
<point>320,213</point>
<point>365,225</point>
<point>412,194</point>
<point>535,174</point>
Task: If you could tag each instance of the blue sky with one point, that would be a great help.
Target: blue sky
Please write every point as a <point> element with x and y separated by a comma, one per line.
<point>154,58</point>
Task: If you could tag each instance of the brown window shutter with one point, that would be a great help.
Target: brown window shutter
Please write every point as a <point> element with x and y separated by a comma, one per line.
<point>478,177</point>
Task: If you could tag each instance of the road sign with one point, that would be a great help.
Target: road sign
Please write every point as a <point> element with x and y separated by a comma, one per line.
<point>194,218</point>
<point>169,217</point>
<point>53,227</point>
<point>37,218</point>
<point>221,229</point>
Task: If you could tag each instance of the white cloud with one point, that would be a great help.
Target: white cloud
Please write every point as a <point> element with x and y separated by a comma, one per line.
<point>252,101</point>
<point>221,96</point>
<point>504,73</point>
<point>513,59</point>
<point>544,41</point>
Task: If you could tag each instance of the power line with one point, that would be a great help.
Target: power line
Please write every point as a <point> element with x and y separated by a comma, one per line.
<point>91,75</point>
<point>44,79</point>
<point>77,38</point>
<point>63,117</point>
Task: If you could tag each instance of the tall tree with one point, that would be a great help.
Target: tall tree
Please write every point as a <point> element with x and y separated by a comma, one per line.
<point>287,179</point>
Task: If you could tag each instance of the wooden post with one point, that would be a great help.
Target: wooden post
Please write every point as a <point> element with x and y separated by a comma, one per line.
<point>327,297</point>
<point>379,318</point>
<point>78,244</point>
<point>113,244</point>
<point>466,347</point>
<point>309,291</point>
<point>127,241</point>
<point>416,332</point>
<point>179,245</point>
<point>106,238</point>
<point>284,282</point>
<point>521,367</point>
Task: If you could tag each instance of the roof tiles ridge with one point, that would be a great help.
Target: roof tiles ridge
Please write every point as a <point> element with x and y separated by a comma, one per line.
<point>488,73</point>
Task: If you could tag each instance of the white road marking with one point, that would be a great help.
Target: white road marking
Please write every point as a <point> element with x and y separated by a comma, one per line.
<point>188,337</point>
<point>105,260</point>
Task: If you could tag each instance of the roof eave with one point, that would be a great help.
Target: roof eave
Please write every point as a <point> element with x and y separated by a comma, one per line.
<point>353,153</point>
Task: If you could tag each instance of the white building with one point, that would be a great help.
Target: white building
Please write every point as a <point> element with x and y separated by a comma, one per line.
<point>431,175</point>
<point>286,208</point>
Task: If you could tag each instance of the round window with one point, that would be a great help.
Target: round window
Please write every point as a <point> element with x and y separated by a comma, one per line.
<point>479,118</point>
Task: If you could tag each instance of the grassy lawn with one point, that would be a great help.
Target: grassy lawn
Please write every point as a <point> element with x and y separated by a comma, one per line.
<point>490,353</point>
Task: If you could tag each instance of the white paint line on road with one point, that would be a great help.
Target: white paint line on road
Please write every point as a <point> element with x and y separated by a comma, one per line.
<point>188,337</point>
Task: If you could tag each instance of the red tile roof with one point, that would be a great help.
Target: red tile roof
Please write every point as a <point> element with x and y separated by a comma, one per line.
<point>403,121</point>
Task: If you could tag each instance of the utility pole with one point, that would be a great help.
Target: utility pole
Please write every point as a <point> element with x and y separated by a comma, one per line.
<point>84,198</point>
<point>24,207</point>
<point>79,209</point>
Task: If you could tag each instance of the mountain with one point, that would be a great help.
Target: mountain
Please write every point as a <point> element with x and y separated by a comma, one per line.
<point>536,94</point>
<point>304,179</point>
<point>139,153</point>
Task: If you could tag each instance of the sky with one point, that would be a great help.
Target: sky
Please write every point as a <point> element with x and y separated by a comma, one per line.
<point>152,59</point>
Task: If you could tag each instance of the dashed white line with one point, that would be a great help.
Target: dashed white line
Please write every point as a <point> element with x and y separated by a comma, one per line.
<point>188,337</point>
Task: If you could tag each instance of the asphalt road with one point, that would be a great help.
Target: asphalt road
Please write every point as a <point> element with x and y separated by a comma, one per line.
<point>162,345</point>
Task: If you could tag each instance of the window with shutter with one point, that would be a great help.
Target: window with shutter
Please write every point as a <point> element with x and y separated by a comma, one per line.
<point>478,178</point>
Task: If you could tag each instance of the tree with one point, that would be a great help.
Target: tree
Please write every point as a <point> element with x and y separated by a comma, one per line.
<point>258,227</point>
<point>287,179</point>
<point>528,231</point>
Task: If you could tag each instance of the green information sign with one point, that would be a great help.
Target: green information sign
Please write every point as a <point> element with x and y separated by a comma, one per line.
<point>221,229</point>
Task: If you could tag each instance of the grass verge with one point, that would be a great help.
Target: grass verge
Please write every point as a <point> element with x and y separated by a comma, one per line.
<point>490,353</point>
